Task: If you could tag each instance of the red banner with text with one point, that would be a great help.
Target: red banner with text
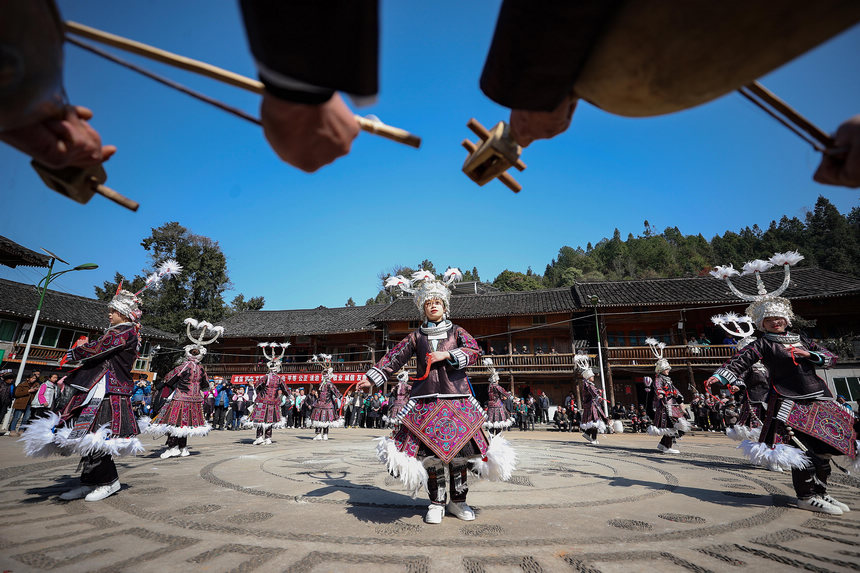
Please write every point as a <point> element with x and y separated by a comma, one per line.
<point>298,378</point>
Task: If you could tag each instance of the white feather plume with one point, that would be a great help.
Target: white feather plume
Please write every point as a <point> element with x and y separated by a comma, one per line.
<point>218,330</point>
<point>651,341</point>
<point>263,344</point>
<point>169,268</point>
<point>724,272</point>
<point>488,361</point>
<point>790,258</point>
<point>422,275</point>
<point>756,266</point>
<point>397,281</point>
<point>204,324</point>
<point>282,344</point>
<point>453,274</point>
<point>190,321</point>
<point>718,319</point>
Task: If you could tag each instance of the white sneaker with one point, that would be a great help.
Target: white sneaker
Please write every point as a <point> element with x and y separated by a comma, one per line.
<point>267,442</point>
<point>461,510</point>
<point>103,491</point>
<point>816,503</point>
<point>169,453</point>
<point>258,441</point>
<point>836,502</point>
<point>435,513</point>
<point>666,450</point>
<point>318,437</point>
<point>76,493</point>
<point>184,453</point>
<point>325,436</point>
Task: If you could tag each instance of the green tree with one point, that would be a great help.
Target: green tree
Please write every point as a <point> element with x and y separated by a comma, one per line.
<point>516,281</point>
<point>350,302</point>
<point>239,304</point>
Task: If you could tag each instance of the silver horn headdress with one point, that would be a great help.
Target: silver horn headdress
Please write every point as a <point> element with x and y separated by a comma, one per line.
<point>494,376</point>
<point>324,362</point>
<point>424,286</point>
<point>274,357</point>
<point>583,363</point>
<point>740,327</point>
<point>200,341</point>
<point>764,303</point>
<point>657,348</point>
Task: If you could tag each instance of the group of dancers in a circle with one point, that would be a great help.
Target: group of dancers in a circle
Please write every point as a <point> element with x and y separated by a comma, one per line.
<point>441,435</point>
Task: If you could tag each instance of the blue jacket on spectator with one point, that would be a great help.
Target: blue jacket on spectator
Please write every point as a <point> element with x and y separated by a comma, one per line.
<point>223,396</point>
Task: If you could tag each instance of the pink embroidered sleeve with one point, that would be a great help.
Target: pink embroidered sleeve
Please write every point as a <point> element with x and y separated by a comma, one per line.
<point>109,342</point>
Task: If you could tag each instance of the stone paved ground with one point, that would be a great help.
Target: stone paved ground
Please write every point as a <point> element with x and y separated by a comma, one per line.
<point>305,506</point>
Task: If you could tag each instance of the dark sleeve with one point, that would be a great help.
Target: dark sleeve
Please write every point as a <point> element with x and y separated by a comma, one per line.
<point>539,48</point>
<point>736,368</point>
<point>306,50</point>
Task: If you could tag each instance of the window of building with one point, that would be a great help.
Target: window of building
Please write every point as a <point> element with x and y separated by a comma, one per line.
<point>615,339</point>
<point>637,337</point>
<point>413,324</point>
<point>7,330</point>
<point>848,387</point>
<point>539,319</point>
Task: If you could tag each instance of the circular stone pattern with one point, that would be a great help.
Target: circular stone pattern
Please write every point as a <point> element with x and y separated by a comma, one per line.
<point>681,518</point>
<point>631,524</point>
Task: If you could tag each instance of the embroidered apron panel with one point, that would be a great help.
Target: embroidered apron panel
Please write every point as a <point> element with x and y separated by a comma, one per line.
<point>824,420</point>
<point>445,426</point>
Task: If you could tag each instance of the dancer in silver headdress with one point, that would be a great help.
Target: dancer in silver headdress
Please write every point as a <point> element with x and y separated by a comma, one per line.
<point>803,426</point>
<point>441,428</point>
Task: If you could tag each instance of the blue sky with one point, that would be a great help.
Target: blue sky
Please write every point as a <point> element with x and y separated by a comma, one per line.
<point>305,240</point>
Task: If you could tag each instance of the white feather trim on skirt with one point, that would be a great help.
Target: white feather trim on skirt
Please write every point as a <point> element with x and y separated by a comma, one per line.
<point>503,425</point>
<point>599,424</point>
<point>781,455</point>
<point>46,440</point>
<point>739,433</point>
<point>410,470</point>
<point>655,431</point>
<point>156,430</point>
<point>334,424</point>
<point>501,461</point>
<point>618,426</point>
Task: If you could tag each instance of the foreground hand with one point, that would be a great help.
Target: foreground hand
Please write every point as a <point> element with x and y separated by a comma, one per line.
<point>308,136</point>
<point>364,384</point>
<point>527,126</point>
<point>438,356</point>
<point>844,169</point>
<point>67,141</point>
<point>801,352</point>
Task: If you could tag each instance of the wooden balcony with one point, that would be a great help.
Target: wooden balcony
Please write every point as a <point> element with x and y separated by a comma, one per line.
<point>630,356</point>
<point>43,355</point>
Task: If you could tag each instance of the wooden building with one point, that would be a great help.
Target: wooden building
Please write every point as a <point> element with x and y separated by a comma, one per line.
<point>534,335</point>
<point>64,319</point>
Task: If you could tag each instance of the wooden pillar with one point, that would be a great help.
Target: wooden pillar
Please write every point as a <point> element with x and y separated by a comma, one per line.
<point>692,380</point>
<point>578,386</point>
<point>605,342</point>
<point>572,336</point>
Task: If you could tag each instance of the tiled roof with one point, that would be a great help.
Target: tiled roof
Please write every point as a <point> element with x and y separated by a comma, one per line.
<point>808,282</point>
<point>280,323</point>
<point>12,255</point>
<point>61,309</point>
<point>489,305</point>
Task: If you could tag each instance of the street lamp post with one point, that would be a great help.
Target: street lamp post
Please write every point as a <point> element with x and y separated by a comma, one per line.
<point>44,288</point>
<point>595,300</point>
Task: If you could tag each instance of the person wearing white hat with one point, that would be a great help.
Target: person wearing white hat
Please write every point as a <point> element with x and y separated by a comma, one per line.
<point>96,418</point>
<point>441,436</point>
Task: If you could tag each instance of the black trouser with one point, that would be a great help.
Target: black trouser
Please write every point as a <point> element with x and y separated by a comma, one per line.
<point>175,442</point>
<point>812,480</point>
<point>218,417</point>
<point>667,441</point>
<point>98,469</point>
<point>591,433</point>
<point>457,478</point>
<point>267,432</point>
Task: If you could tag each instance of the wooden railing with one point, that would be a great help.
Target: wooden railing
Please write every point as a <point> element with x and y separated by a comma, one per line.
<point>228,368</point>
<point>712,355</point>
<point>38,354</point>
